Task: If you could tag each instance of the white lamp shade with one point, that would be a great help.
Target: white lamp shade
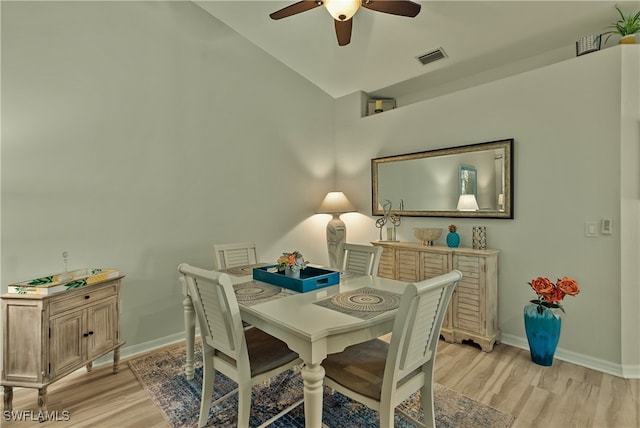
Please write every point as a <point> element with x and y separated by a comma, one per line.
<point>342,10</point>
<point>335,203</point>
<point>467,203</point>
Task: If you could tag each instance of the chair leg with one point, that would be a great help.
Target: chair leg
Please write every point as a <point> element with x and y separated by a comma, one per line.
<point>244,402</point>
<point>386,416</point>
<point>208,375</point>
<point>427,396</point>
<point>386,410</point>
<point>427,405</point>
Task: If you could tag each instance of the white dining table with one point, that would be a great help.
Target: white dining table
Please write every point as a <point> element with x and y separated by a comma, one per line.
<point>311,330</point>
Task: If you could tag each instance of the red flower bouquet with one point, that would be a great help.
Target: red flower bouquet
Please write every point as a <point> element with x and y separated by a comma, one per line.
<point>550,295</point>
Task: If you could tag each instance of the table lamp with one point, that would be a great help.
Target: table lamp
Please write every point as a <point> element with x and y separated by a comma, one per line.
<point>335,203</point>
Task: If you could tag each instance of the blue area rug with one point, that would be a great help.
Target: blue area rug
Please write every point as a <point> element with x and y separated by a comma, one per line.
<point>162,376</point>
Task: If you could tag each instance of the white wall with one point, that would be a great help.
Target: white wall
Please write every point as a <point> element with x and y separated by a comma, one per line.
<point>137,134</point>
<point>569,128</point>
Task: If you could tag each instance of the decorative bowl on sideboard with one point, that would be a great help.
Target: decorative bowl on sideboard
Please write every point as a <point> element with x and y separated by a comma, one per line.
<point>427,236</point>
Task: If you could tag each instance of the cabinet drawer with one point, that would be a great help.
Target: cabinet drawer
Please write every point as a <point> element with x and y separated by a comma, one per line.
<point>79,298</point>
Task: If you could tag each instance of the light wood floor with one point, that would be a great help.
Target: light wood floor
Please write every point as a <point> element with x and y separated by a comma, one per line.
<point>564,395</point>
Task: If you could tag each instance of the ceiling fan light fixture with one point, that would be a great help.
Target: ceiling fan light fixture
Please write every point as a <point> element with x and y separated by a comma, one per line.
<point>342,10</point>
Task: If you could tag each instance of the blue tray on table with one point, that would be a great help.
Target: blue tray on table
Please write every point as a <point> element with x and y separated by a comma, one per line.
<point>310,278</point>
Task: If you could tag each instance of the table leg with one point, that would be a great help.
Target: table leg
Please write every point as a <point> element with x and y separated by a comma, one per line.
<point>190,333</point>
<point>312,376</point>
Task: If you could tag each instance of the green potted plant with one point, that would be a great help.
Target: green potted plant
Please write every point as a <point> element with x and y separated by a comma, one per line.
<point>626,26</point>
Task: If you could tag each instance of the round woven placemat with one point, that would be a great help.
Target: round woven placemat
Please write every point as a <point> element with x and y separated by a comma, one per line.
<point>254,291</point>
<point>366,300</point>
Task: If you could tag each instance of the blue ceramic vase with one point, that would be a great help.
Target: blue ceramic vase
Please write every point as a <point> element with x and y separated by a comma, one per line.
<point>453,239</point>
<point>543,333</point>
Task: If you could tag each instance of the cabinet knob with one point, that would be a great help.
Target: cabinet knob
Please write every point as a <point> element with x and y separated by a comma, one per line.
<point>87,297</point>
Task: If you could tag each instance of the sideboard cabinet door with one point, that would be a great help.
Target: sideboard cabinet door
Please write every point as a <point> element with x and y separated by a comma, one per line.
<point>387,266</point>
<point>102,324</point>
<point>66,350</point>
<point>476,298</point>
<point>408,265</point>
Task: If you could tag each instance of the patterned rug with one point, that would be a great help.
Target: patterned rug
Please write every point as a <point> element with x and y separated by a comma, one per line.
<point>162,376</point>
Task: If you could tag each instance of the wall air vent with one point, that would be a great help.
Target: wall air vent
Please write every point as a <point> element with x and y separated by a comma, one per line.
<point>432,56</point>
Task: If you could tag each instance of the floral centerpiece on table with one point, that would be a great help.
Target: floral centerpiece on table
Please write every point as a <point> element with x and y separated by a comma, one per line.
<point>292,261</point>
<point>550,295</point>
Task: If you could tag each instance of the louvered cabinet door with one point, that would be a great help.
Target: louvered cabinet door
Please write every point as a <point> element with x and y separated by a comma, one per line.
<point>474,303</point>
<point>408,265</point>
<point>387,266</point>
<point>434,264</point>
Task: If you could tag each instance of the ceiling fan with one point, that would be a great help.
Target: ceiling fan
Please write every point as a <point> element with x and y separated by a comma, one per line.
<point>343,11</point>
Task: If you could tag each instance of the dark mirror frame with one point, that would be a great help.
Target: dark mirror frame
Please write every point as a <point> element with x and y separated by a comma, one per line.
<point>505,213</point>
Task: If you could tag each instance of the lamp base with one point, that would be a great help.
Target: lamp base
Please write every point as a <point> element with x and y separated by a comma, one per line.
<point>336,237</point>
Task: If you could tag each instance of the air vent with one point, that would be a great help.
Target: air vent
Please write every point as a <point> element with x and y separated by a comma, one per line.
<point>432,56</point>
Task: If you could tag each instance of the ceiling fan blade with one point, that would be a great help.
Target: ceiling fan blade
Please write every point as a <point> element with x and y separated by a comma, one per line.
<point>343,31</point>
<point>394,7</point>
<point>299,7</point>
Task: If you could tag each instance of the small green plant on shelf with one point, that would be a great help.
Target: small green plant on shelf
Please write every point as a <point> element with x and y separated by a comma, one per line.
<point>625,26</point>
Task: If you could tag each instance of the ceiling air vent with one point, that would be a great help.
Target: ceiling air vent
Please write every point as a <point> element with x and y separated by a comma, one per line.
<point>432,56</point>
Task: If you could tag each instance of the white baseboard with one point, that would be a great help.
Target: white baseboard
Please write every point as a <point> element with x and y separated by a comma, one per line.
<point>627,372</point>
<point>141,348</point>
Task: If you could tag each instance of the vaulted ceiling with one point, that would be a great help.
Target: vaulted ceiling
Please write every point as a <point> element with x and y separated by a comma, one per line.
<point>475,35</point>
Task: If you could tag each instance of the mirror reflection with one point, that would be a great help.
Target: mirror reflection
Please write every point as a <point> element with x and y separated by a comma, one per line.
<point>465,181</point>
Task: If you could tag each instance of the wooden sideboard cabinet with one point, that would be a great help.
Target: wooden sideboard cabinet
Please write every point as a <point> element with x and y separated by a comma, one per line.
<point>48,337</point>
<point>473,311</point>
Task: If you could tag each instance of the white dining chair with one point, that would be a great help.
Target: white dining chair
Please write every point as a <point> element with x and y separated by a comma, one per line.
<point>235,254</point>
<point>360,259</point>
<point>381,375</point>
<point>248,357</point>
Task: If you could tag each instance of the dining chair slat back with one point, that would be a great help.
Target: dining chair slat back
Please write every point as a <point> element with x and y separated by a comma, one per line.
<point>235,254</point>
<point>361,259</point>
<point>381,375</point>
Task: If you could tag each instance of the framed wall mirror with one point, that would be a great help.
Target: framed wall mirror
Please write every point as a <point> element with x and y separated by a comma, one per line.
<point>466,181</point>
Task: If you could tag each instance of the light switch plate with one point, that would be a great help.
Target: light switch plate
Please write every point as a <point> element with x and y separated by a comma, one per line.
<point>591,229</point>
<point>605,226</point>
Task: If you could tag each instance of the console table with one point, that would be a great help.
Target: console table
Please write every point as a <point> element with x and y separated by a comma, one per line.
<point>473,310</point>
<point>46,337</point>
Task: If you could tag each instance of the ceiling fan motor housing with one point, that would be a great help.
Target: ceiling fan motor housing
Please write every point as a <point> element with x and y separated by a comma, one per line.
<point>343,10</point>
